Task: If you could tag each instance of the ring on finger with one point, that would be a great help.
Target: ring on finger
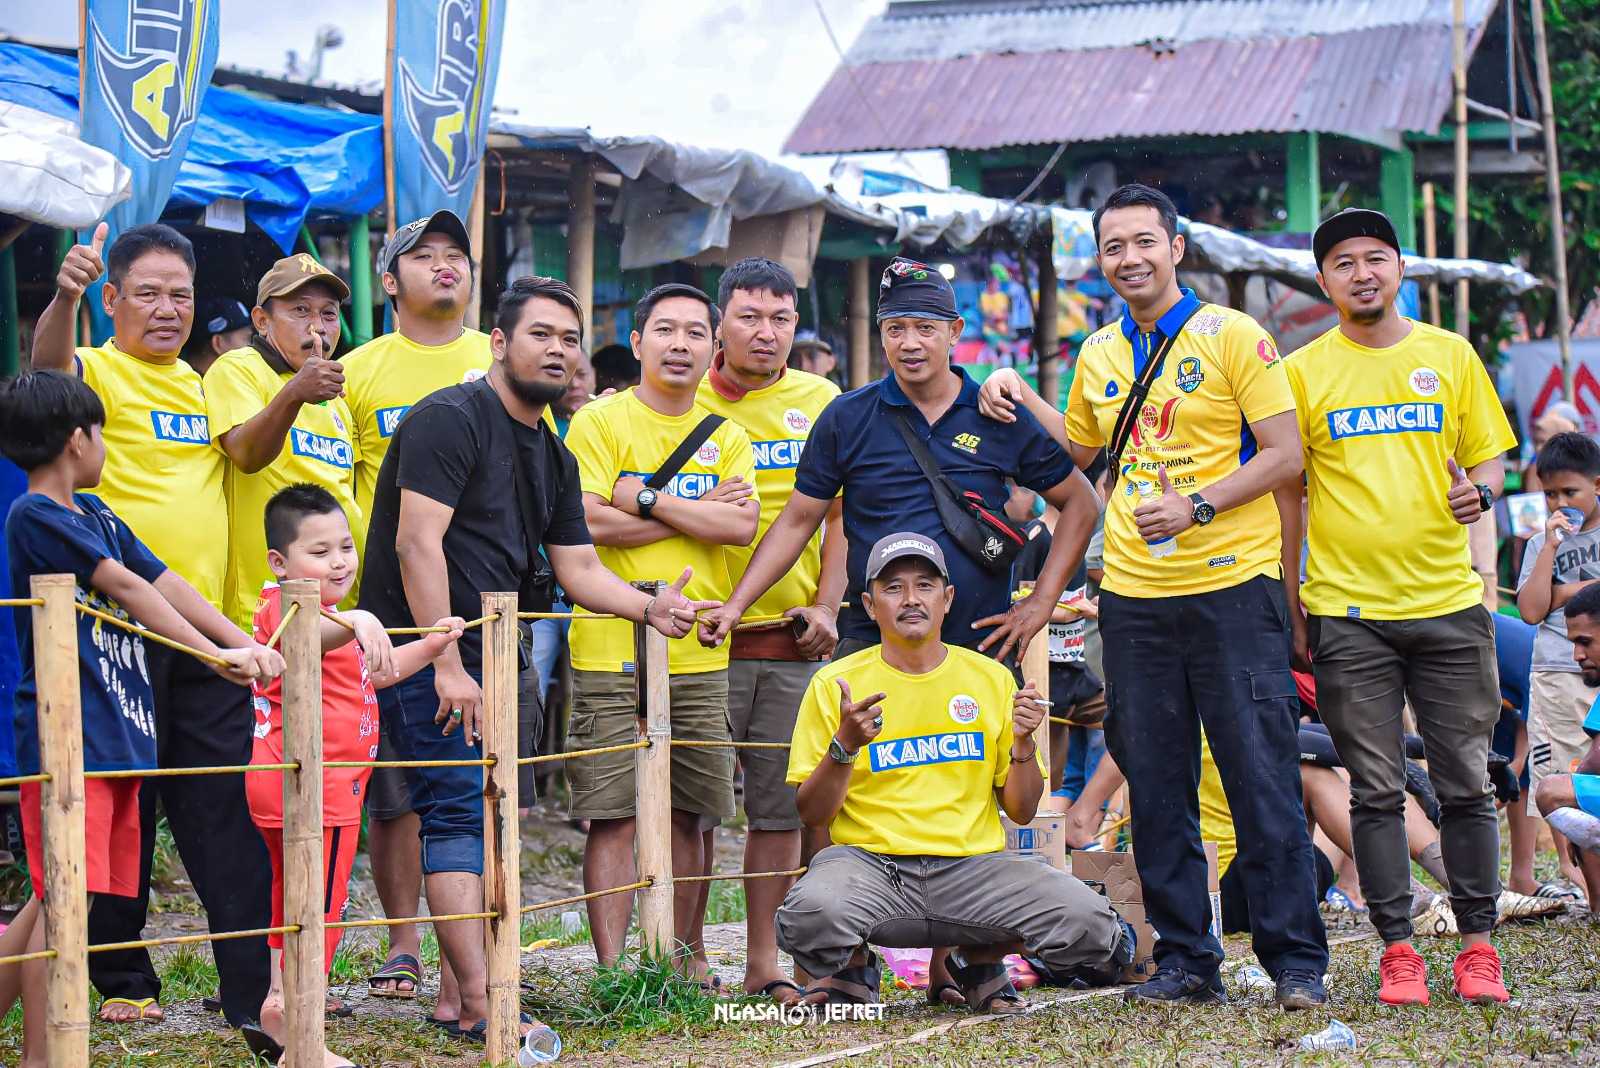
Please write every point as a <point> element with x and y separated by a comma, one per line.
<point>455,713</point>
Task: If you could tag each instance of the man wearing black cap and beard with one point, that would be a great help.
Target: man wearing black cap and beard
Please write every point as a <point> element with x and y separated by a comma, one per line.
<point>1402,432</point>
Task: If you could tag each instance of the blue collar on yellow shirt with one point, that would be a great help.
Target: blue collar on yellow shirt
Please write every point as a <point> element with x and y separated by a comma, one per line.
<point>1169,325</point>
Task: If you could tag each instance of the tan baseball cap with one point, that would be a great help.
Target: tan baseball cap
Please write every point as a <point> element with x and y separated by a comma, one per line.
<point>292,272</point>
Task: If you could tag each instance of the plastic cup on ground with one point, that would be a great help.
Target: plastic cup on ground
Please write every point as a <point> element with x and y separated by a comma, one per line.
<point>539,1046</point>
<point>571,924</point>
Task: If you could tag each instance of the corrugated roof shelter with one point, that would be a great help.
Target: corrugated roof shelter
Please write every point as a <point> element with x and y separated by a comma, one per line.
<point>980,74</point>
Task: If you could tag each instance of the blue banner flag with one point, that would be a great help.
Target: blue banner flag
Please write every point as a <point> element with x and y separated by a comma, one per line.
<point>446,56</point>
<point>146,66</point>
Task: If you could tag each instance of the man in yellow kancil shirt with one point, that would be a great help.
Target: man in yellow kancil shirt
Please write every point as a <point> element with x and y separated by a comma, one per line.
<point>1403,434</point>
<point>275,411</point>
<point>918,854</point>
<point>428,277</point>
<point>163,477</point>
<point>769,667</point>
<point>1193,612</point>
<point>657,512</point>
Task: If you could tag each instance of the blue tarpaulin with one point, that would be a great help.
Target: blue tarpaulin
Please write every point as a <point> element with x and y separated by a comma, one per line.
<point>282,160</point>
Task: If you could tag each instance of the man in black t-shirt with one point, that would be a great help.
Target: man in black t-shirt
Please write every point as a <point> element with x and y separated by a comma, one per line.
<point>474,483</point>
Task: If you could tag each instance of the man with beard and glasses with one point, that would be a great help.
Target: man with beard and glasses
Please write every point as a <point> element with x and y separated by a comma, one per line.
<point>465,467</point>
<point>275,411</point>
<point>428,278</point>
<point>1403,434</point>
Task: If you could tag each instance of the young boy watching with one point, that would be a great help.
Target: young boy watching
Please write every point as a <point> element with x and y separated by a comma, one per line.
<point>308,537</point>
<point>1560,561</point>
<point>51,429</point>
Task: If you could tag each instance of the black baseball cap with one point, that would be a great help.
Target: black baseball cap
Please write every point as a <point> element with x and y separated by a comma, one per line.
<point>1352,222</point>
<point>219,315</point>
<point>443,221</point>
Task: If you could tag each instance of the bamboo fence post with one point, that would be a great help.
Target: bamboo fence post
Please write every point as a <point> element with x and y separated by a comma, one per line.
<point>1036,666</point>
<point>502,883</point>
<point>66,904</point>
<point>653,771</point>
<point>304,982</point>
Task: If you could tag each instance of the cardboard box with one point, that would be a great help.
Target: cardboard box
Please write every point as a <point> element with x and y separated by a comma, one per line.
<point>1117,873</point>
<point>1044,835</point>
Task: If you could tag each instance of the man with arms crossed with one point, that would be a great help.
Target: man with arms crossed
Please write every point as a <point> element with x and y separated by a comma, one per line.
<point>1403,434</point>
<point>1194,614</point>
<point>769,667</point>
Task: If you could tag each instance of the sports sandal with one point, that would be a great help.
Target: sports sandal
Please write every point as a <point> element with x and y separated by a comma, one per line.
<point>144,1005</point>
<point>936,995</point>
<point>400,968</point>
<point>859,985</point>
<point>987,987</point>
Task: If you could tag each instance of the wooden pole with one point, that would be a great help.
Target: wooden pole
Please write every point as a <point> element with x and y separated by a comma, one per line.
<point>66,903</point>
<point>1458,50</point>
<point>1046,340</point>
<point>1036,666</point>
<point>475,232</point>
<point>502,879</point>
<point>580,237</point>
<point>860,322</point>
<point>1552,185</point>
<point>653,769</point>
<point>304,982</point>
<point>1430,248</point>
<point>390,205</point>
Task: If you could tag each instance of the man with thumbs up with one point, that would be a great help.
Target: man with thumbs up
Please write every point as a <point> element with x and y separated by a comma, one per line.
<point>1402,434</point>
<point>276,410</point>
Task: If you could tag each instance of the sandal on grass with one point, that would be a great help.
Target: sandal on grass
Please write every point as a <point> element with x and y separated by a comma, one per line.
<point>1560,891</point>
<point>400,968</point>
<point>149,1010</point>
<point>859,985</point>
<point>263,1045</point>
<point>987,987</point>
<point>936,995</point>
<point>799,992</point>
<point>478,1032</point>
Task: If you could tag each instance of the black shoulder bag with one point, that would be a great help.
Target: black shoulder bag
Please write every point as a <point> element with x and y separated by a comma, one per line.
<point>686,448</point>
<point>985,535</point>
<point>1131,407</point>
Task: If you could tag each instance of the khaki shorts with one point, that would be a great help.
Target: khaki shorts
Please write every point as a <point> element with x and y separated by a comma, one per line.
<point>603,713</point>
<point>1558,701</point>
<point>763,703</point>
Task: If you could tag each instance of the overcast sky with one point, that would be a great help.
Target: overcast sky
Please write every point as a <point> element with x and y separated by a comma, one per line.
<point>732,73</point>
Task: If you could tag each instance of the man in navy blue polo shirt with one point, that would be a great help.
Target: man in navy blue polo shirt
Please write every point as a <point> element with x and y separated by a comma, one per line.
<point>857,446</point>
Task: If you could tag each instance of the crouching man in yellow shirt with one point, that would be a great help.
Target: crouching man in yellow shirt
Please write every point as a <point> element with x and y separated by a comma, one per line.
<point>906,752</point>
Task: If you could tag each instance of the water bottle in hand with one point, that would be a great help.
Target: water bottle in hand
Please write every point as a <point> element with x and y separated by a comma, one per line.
<point>1161,547</point>
<point>539,1046</point>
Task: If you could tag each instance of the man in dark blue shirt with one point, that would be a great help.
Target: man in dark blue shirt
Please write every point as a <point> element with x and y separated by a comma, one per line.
<point>857,446</point>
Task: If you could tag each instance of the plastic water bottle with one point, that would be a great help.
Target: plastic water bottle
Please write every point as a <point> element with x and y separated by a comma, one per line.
<point>571,924</point>
<point>539,1046</point>
<point>1255,977</point>
<point>1335,1036</point>
<point>1148,491</point>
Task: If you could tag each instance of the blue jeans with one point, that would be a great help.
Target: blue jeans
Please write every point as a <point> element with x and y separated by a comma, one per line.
<point>1085,747</point>
<point>448,801</point>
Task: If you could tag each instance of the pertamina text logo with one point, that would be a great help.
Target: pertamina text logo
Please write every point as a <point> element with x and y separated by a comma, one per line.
<point>153,89</point>
<point>189,429</point>
<point>333,451</point>
<point>1412,418</point>
<point>925,750</point>
<point>439,115</point>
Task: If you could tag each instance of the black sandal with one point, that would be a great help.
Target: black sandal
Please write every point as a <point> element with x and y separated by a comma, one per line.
<point>261,1044</point>
<point>987,987</point>
<point>936,995</point>
<point>860,985</point>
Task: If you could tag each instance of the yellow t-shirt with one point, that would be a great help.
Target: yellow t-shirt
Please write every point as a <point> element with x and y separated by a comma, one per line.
<point>162,477</point>
<point>320,448</point>
<point>925,785</point>
<point>778,420</point>
<point>1222,373</point>
<point>1379,427</point>
<point>619,435</point>
<point>1216,817</point>
<point>386,376</point>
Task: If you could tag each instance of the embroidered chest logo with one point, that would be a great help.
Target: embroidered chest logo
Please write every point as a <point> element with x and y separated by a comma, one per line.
<point>967,443</point>
<point>1189,374</point>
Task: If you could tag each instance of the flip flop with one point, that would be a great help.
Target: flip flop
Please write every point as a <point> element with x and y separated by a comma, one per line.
<point>142,1004</point>
<point>400,968</point>
<point>1341,901</point>
<point>479,1032</point>
<point>1558,890</point>
<point>342,1010</point>
<point>263,1045</point>
<point>443,1025</point>
<point>799,990</point>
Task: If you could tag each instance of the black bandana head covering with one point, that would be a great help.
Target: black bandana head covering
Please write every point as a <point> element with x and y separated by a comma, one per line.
<point>912,290</point>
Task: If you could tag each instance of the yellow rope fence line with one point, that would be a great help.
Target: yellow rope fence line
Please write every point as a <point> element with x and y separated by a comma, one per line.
<point>18,780</point>
<point>150,635</point>
<point>20,602</point>
<point>584,752</point>
<point>187,940</point>
<point>730,745</point>
<point>484,762</point>
<point>386,922</point>
<point>347,625</point>
<point>20,957</point>
<point>283,625</point>
<point>738,875</point>
<point>167,773</point>
<point>640,885</point>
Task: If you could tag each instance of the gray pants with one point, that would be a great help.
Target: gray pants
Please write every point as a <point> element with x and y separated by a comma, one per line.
<point>1365,670</point>
<point>849,897</point>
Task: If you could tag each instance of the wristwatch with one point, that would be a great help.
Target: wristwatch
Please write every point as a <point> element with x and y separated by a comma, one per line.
<point>840,753</point>
<point>1485,496</point>
<point>647,500</point>
<point>1204,511</point>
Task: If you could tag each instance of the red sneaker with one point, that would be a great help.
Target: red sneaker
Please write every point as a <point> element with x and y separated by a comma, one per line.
<point>1478,976</point>
<point>1403,977</point>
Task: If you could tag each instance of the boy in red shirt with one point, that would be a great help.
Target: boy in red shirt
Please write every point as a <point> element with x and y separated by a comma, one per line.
<point>308,537</point>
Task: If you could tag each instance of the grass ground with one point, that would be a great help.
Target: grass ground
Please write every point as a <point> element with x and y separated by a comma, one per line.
<point>641,1016</point>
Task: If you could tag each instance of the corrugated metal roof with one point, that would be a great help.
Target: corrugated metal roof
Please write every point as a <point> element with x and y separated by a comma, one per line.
<point>948,30</point>
<point>1369,84</point>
